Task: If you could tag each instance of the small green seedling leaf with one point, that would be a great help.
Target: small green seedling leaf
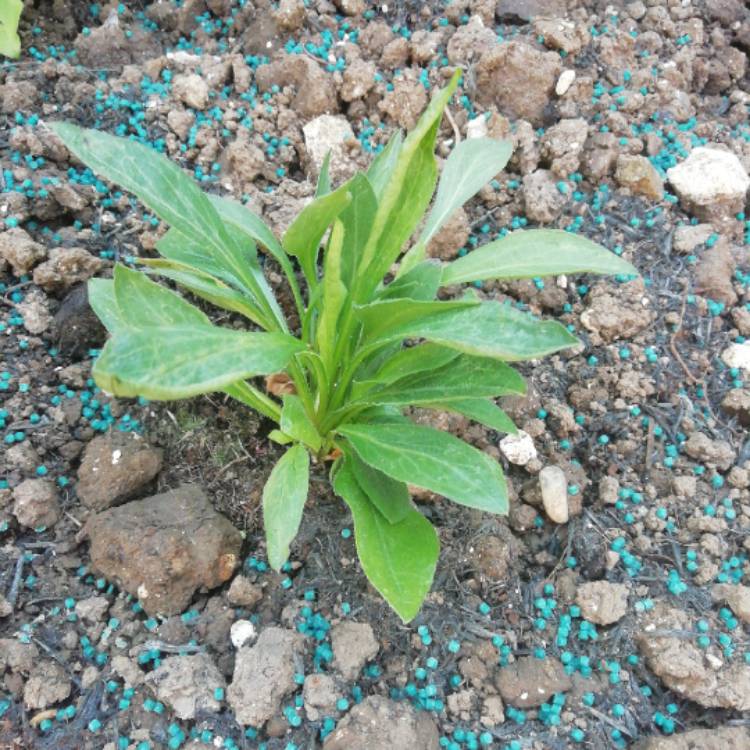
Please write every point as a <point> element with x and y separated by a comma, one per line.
<point>398,559</point>
<point>283,502</point>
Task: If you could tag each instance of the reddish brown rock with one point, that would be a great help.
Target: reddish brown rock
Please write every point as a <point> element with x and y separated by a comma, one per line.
<point>164,548</point>
<point>115,467</point>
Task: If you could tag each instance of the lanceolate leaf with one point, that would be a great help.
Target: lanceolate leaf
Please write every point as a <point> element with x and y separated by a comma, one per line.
<point>306,231</point>
<point>399,559</point>
<point>102,300</point>
<point>173,196</point>
<point>421,283</point>
<point>357,220</point>
<point>490,329</point>
<point>296,423</point>
<point>324,181</point>
<point>469,167</point>
<point>380,319</point>
<point>381,169</point>
<point>535,252</point>
<point>206,287</point>
<point>479,410</point>
<point>283,502</point>
<point>178,361</point>
<point>404,198</point>
<point>146,304</point>
<point>413,360</point>
<point>465,377</point>
<point>389,496</point>
<point>334,297</point>
<point>431,459</point>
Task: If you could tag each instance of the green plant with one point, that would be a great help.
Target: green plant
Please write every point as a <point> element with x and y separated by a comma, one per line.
<point>368,344</point>
<point>10,13</point>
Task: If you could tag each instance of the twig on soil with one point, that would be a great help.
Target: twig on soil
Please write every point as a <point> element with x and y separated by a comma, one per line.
<point>456,131</point>
<point>15,584</point>
<point>172,648</point>
<point>74,519</point>
<point>607,720</point>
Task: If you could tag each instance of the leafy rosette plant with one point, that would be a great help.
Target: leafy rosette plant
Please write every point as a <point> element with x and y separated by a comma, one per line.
<point>373,337</point>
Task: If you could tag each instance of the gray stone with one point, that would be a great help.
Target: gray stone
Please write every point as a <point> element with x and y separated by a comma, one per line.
<point>187,684</point>
<point>264,675</point>
<point>354,644</point>
<point>35,504</point>
<point>382,724</point>
<point>603,603</point>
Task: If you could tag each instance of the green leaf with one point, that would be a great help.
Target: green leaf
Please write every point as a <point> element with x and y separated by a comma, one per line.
<point>324,179</point>
<point>478,410</point>
<point>464,377</point>
<point>421,283</point>
<point>431,459</point>
<point>243,219</point>
<point>102,301</point>
<point>413,360</point>
<point>296,423</point>
<point>535,252</point>
<point>380,318</point>
<point>303,237</point>
<point>398,559</point>
<point>10,13</point>
<point>334,296</point>
<point>381,169</point>
<point>174,197</point>
<point>357,219</point>
<point>167,362</point>
<point>469,167</point>
<point>144,304</point>
<point>206,287</point>
<point>404,198</point>
<point>490,329</point>
<point>389,496</point>
<point>283,502</point>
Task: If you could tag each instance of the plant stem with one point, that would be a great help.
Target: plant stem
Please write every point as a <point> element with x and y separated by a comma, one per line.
<point>252,397</point>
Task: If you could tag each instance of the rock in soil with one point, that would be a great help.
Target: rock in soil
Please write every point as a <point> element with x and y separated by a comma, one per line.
<point>639,175</point>
<point>65,267</point>
<point>737,597</point>
<point>320,693</point>
<point>554,488</point>
<point>529,681</point>
<point>264,675</point>
<point>720,738</point>
<point>244,593</point>
<point>115,467</point>
<point>164,548</point>
<point>711,183</point>
<point>603,603</point>
<point>187,684</point>
<point>48,684</point>
<point>699,676</point>
<point>382,724</point>
<point>354,644</point>
<point>20,251</point>
<point>35,504</point>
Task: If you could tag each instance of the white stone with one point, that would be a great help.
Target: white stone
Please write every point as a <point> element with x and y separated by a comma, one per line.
<point>554,486</point>
<point>242,633</point>
<point>518,449</point>
<point>737,355</point>
<point>323,134</point>
<point>565,81</point>
<point>477,128</point>
<point>709,176</point>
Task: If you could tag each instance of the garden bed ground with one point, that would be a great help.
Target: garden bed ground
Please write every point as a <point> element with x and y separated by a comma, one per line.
<point>626,626</point>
